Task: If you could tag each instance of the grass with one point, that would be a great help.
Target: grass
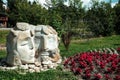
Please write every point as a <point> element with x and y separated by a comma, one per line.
<point>47,75</point>
<point>59,74</point>
<point>91,44</point>
<point>2,53</point>
<point>3,34</point>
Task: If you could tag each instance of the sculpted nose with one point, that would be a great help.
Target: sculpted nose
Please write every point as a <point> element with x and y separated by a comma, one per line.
<point>31,46</point>
<point>43,43</point>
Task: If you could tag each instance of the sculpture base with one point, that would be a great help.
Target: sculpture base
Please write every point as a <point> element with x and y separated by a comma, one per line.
<point>36,67</point>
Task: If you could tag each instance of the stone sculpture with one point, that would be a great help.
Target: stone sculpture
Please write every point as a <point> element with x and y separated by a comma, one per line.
<point>33,45</point>
<point>20,45</point>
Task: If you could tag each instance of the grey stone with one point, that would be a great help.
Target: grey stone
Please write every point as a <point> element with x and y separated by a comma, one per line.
<point>23,66</point>
<point>29,46</point>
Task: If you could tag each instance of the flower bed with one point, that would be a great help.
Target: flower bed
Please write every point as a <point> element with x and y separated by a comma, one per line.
<point>95,65</point>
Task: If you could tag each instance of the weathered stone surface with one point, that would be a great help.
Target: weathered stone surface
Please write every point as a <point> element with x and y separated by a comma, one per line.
<point>20,45</point>
<point>37,69</point>
<point>24,67</point>
<point>33,47</point>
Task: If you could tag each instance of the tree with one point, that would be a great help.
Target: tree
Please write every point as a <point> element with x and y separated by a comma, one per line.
<point>55,11</point>
<point>1,6</point>
<point>101,19</point>
<point>117,18</point>
<point>25,11</point>
<point>17,11</point>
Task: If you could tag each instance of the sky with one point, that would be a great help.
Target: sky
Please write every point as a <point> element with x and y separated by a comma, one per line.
<point>85,2</point>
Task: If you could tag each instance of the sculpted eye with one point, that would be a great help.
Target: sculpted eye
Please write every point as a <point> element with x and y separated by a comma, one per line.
<point>24,43</point>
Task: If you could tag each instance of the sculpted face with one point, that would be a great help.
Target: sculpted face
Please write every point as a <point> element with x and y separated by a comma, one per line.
<point>20,47</point>
<point>51,42</point>
<point>31,44</point>
<point>25,46</point>
<point>46,38</point>
<point>50,38</point>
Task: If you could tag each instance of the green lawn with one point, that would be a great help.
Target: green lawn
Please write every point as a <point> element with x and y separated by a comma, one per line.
<point>47,75</point>
<point>75,47</point>
<point>91,44</point>
<point>3,34</point>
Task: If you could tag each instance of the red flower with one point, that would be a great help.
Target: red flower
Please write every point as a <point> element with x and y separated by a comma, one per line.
<point>73,63</point>
<point>88,75</point>
<point>102,64</point>
<point>107,76</point>
<point>118,49</point>
<point>78,70</point>
<point>114,66</point>
<point>98,76</point>
<point>89,59</point>
<point>92,67</point>
<point>117,77</point>
<point>87,70</point>
<point>109,70</point>
<point>88,63</point>
<point>83,64</point>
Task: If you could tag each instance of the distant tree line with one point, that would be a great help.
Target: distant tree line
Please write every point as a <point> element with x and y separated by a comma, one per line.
<point>101,19</point>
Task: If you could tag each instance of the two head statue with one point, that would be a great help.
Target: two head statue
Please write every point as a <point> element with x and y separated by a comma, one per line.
<point>29,44</point>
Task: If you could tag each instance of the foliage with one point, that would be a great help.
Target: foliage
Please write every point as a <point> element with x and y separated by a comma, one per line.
<point>117,21</point>
<point>100,19</point>
<point>1,6</point>
<point>24,11</point>
<point>57,15</point>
